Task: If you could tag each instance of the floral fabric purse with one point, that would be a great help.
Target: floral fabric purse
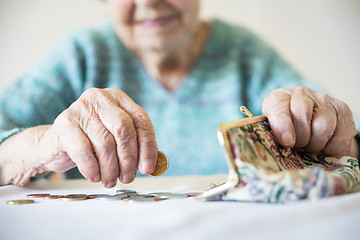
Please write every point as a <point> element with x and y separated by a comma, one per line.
<point>260,170</point>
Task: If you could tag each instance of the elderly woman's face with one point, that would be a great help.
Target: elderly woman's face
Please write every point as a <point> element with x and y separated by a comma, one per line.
<point>160,25</point>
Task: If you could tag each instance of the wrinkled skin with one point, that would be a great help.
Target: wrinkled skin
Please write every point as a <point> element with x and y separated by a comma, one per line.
<point>117,136</point>
<point>109,137</point>
<point>106,135</point>
<point>312,121</point>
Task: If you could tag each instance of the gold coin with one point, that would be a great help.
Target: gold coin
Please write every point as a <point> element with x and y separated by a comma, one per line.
<point>53,197</point>
<point>37,195</point>
<point>74,197</point>
<point>162,164</point>
<point>22,201</point>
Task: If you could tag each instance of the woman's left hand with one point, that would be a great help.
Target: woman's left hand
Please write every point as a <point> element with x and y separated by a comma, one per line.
<point>315,122</point>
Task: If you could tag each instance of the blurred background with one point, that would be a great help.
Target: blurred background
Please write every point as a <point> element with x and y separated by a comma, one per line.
<point>320,38</point>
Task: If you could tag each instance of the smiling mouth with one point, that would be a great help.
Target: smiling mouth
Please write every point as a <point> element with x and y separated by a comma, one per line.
<point>157,22</point>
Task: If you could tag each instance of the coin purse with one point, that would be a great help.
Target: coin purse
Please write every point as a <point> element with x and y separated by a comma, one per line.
<point>260,170</point>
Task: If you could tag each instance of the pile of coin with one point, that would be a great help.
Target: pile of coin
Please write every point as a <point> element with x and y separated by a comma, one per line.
<point>128,195</point>
<point>122,194</point>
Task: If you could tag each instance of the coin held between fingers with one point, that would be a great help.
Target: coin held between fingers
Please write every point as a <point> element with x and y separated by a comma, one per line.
<point>162,164</point>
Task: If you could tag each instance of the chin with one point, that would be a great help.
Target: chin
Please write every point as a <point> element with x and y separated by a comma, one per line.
<point>160,44</point>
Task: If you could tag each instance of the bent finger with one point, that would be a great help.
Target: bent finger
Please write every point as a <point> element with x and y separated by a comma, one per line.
<point>78,147</point>
<point>145,132</point>
<point>276,107</point>
<point>340,143</point>
<point>301,108</point>
<point>105,151</point>
<point>323,126</point>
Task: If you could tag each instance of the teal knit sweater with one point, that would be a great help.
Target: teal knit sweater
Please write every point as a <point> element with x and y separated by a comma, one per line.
<point>235,68</point>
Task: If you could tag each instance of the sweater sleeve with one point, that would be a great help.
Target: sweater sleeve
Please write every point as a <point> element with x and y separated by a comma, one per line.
<point>40,95</point>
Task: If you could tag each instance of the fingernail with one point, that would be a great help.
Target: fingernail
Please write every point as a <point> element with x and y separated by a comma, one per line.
<point>109,185</point>
<point>129,177</point>
<point>146,166</point>
<point>97,179</point>
<point>287,139</point>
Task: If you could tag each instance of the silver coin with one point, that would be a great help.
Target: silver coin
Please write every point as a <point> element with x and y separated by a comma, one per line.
<point>146,195</point>
<point>109,198</point>
<point>178,195</point>
<point>98,195</point>
<point>134,200</point>
<point>121,195</point>
<point>130,194</point>
<point>136,197</point>
<point>125,191</point>
<point>162,194</point>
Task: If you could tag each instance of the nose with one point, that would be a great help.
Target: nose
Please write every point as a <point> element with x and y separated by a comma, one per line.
<point>146,2</point>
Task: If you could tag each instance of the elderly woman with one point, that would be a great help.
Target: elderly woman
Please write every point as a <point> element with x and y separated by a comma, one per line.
<point>96,100</point>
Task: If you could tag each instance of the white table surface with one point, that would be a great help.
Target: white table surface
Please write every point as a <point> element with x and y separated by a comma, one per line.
<point>332,218</point>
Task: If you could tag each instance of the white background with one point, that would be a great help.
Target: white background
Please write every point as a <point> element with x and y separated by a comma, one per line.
<point>321,38</point>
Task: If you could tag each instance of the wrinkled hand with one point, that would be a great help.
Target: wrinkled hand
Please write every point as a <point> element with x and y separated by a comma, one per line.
<point>310,120</point>
<point>106,135</point>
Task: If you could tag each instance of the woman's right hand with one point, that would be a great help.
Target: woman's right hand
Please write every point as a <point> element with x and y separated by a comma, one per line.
<point>105,134</point>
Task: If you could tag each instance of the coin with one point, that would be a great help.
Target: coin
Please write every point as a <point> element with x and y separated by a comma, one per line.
<point>22,201</point>
<point>132,200</point>
<point>125,191</point>
<point>162,164</point>
<point>193,194</point>
<point>146,195</point>
<point>74,197</point>
<point>53,197</point>
<point>178,195</point>
<point>161,194</point>
<point>37,195</point>
<point>123,195</point>
<point>139,197</point>
<point>112,197</point>
<point>170,195</point>
<point>93,196</point>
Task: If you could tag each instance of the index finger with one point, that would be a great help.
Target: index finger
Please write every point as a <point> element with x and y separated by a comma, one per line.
<point>276,107</point>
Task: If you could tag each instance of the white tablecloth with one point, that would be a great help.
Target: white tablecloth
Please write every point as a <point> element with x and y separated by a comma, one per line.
<point>332,218</point>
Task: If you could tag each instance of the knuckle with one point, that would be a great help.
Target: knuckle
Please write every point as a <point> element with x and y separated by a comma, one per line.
<point>141,118</point>
<point>276,97</point>
<point>115,91</point>
<point>324,98</point>
<point>65,118</point>
<point>124,129</point>
<point>91,92</point>
<point>342,108</point>
<point>278,91</point>
<point>302,90</point>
